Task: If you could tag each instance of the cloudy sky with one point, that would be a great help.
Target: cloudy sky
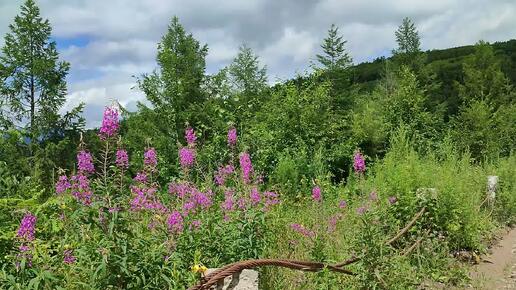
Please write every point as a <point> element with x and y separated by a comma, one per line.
<point>110,42</point>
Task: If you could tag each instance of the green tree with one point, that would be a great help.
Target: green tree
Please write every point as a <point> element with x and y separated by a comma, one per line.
<point>33,84</point>
<point>407,38</point>
<point>335,56</point>
<point>175,88</point>
<point>485,123</point>
<point>32,92</point>
<point>408,51</point>
<point>483,78</point>
<point>247,77</point>
<point>297,120</point>
<point>475,130</point>
<point>336,68</point>
<point>397,100</point>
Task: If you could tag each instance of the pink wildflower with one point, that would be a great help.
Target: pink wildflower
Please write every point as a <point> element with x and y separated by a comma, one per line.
<point>122,159</point>
<point>68,258</point>
<point>246,166</point>
<point>271,198</point>
<point>62,184</point>
<point>302,230</point>
<point>150,159</point>
<point>141,177</point>
<point>175,222</point>
<point>228,203</point>
<point>316,194</point>
<point>361,210</point>
<point>85,162</point>
<point>359,163</point>
<point>232,137</point>
<point>195,225</point>
<point>255,196</point>
<point>332,223</point>
<point>27,227</point>
<point>110,124</point>
<point>81,189</point>
<point>179,189</point>
<point>222,174</point>
<point>190,136</point>
<point>186,157</point>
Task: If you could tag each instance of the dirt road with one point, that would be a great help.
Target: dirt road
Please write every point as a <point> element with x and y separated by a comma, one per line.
<point>498,269</point>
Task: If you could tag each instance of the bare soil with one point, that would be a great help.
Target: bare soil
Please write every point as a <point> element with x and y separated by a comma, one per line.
<point>497,270</point>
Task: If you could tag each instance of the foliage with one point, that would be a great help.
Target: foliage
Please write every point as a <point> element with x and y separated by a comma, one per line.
<point>175,88</point>
<point>335,56</point>
<point>357,219</point>
<point>94,230</point>
<point>33,77</point>
<point>484,126</point>
<point>407,38</point>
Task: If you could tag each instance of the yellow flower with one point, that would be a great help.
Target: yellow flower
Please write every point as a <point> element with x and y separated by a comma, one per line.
<point>203,269</point>
<point>63,206</point>
<point>196,268</point>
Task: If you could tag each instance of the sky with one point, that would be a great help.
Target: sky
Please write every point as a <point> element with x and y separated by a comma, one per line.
<point>110,43</point>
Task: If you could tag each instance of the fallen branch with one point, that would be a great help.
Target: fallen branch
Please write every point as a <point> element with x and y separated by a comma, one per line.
<point>416,244</point>
<point>407,227</point>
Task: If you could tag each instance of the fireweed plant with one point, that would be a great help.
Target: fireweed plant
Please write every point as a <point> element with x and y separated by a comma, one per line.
<point>114,230</point>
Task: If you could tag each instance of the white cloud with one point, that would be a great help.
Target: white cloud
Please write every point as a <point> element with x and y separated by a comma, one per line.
<point>295,47</point>
<point>97,98</point>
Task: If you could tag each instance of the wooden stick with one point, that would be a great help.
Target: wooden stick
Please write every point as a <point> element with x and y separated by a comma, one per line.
<point>407,227</point>
<point>416,244</point>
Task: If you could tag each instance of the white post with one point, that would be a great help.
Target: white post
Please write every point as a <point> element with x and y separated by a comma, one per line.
<point>492,182</point>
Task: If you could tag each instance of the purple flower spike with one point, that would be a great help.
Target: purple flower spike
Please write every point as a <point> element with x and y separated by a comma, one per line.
<point>27,226</point>
<point>359,163</point>
<point>190,136</point>
<point>68,258</point>
<point>122,159</point>
<point>316,194</point>
<point>62,184</point>
<point>232,137</point>
<point>246,166</point>
<point>175,222</point>
<point>186,157</point>
<point>85,162</point>
<point>110,124</point>
<point>149,158</point>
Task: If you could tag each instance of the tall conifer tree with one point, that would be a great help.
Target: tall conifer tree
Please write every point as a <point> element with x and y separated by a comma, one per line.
<point>33,81</point>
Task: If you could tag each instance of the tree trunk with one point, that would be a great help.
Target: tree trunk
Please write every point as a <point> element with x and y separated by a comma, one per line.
<point>32,106</point>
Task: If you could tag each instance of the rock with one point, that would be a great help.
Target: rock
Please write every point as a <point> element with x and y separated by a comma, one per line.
<point>246,280</point>
<point>426,194</point>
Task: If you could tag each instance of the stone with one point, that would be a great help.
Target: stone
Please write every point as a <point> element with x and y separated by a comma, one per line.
<point>426,194</point>
<point>245,280</point>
